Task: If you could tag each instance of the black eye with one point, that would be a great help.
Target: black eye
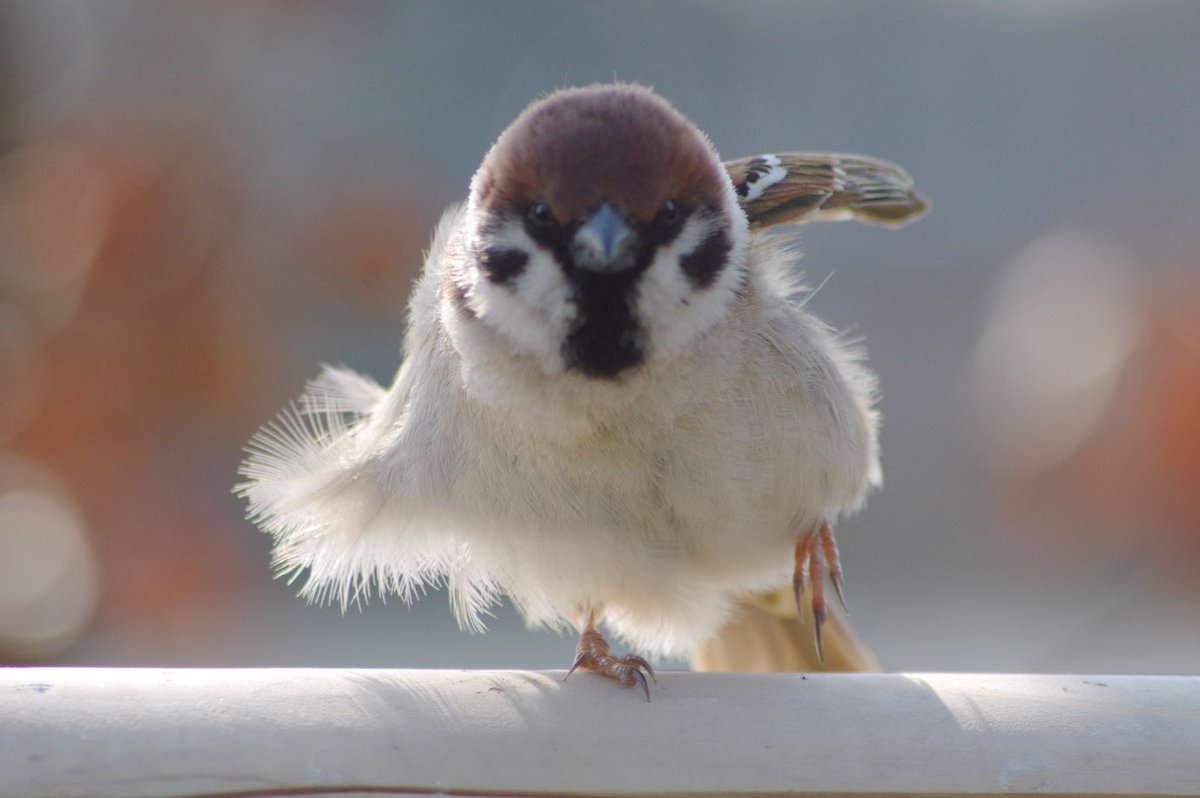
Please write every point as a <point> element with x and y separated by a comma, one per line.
<point>667,222</point>
<point>539,215</point>
<point>669,215</point>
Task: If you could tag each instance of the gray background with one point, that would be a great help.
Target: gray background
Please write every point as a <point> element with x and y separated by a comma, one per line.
<point>1015,118</point>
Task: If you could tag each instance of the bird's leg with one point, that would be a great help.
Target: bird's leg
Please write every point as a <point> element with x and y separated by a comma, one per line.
<point>591,653</point>
<point>816,558</point>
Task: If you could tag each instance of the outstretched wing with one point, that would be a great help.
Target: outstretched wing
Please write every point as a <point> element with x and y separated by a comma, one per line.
<point>801,186</point>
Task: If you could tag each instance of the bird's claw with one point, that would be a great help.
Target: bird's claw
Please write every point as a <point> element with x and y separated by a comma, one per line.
<point>817,559</point>
<point>592,654</point>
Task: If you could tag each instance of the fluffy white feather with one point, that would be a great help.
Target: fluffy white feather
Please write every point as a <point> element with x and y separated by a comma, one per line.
<point>661,498</point>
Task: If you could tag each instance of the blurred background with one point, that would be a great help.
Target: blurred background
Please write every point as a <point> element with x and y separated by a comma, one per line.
<point>200,202</point>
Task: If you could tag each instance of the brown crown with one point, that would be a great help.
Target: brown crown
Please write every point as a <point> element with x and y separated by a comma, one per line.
<point>579,147</point>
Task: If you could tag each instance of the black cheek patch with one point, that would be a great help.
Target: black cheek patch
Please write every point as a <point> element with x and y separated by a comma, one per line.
<point>503,265</point>
<point>705,262</point>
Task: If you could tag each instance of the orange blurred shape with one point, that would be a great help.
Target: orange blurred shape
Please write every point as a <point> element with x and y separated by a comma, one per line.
<point>1086,395</point>
<point>150,329</point>
<point>148,370</point>
<point>160,340</point>
<point>370,241</point>
<point>1171,387</point>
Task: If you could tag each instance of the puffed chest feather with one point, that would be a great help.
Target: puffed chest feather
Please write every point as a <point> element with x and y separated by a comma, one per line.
<point>660,497</point>
<point>715,459</point>
<point>697,485</point>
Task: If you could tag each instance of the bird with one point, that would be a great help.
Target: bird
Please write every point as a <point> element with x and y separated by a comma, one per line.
<point>614,406</point>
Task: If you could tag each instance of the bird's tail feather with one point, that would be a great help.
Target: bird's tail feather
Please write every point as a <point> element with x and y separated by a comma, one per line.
<point>767,635</point>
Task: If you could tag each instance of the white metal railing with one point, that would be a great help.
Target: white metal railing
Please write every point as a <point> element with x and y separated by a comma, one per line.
<point>300,732</point>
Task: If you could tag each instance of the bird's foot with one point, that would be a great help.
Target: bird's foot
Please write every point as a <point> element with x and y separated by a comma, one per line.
<point>592,654</point>
<point>816,559</point>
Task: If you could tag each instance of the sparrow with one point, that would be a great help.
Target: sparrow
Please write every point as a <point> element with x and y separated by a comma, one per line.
<point>614,406</point>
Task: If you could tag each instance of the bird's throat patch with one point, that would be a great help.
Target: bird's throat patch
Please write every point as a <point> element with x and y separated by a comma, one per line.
<point>606,337</point>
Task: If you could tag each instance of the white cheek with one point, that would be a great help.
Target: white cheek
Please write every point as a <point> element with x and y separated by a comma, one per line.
<point>672,310</point>
<point>533,312</point>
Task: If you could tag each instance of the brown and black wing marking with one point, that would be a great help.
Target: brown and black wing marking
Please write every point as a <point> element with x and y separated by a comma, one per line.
<point>802,186</point>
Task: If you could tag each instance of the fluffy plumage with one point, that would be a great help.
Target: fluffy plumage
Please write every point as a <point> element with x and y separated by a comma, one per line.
<point>654,489</point>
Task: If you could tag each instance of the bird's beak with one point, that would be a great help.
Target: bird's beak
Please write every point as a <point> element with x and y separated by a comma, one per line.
<point>605,244</point>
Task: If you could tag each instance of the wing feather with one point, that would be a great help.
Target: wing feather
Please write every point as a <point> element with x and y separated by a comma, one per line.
<point>802,186</point>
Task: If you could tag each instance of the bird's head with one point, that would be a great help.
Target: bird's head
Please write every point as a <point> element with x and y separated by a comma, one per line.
<point>602,231</point>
